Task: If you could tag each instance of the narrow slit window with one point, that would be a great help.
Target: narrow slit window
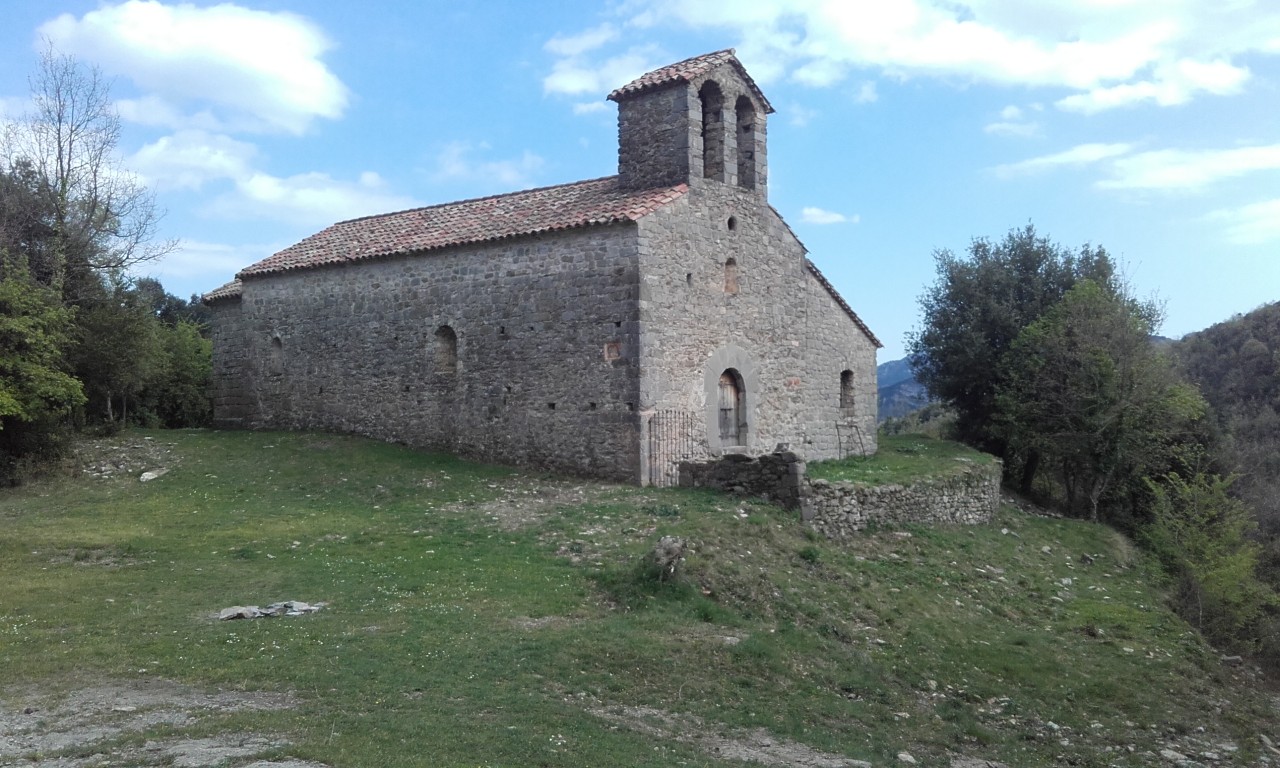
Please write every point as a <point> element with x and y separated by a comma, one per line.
<point>846,393</point>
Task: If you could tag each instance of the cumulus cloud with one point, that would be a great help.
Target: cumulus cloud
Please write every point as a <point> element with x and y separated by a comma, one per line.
<point>308,199</point>
<point>1251,224</point>
<point>246,69</point>
<point>813,215</point>
<point>190,159</point>
<point>1081,154</point>
<point>577,75</point>
<point>1108,54</point>
<point>458,162</point>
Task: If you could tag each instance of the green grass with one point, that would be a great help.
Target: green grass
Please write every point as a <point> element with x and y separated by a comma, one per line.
<point>901,459</point>
<point>481,616</point>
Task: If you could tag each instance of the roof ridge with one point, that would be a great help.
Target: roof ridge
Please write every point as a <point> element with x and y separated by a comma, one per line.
<point>402,211</point>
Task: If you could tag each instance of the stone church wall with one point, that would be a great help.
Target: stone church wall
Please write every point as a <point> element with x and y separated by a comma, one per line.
<point>543,372</point>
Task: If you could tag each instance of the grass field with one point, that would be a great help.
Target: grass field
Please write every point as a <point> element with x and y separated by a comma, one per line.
<point>479,616</point>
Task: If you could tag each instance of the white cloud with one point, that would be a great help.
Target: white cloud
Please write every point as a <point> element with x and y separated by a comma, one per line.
<point>578,75</point>
<point>1107,53</point>
<point>205,264</point>
<point>1172,169</point>
<point>801,116</point>
<point>308,199</point>
<point>588,40</point>
<point>190,159</point>
<point>457,162</point>
<point>867,93</point>
<point>251,69</point>
<point>1021,130</point>
<point>1251,224</point>
<point>1011,112</point>
<point>1081,154</point>
<point>812,215</point>
<point>589,107</point>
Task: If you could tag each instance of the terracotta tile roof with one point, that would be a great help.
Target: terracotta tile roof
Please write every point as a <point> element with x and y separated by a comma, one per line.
<point>687,70</point>
<point>533,211</point>
<point>229,291</point>
<point>840,300</point>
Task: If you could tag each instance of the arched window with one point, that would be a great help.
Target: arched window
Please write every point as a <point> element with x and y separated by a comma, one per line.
<point>276,361</point>
<point>733,408</point>
<point>731,275</point>
<point>712,130</point>
<point>446,350</point>
<point>846,393</point>
<point>746,120</point>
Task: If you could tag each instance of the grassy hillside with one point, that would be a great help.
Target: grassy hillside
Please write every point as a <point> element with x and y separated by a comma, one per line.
<point>480,616</point>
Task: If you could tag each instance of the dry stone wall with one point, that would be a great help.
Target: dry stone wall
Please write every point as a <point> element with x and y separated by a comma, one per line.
<point>841,509</point>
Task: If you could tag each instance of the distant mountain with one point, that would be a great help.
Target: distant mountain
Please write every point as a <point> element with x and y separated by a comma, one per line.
<point>899,392</point>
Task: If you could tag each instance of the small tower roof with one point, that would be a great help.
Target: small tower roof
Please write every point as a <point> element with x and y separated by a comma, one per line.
<point>687,70</point>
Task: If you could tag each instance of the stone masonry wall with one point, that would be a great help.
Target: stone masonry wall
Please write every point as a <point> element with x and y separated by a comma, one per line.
<point>778,477</point>
<point>780,330</point>
<point>545,369</point>
<point>777,326</point>
<point>227,383</point>
<point>838,510</point>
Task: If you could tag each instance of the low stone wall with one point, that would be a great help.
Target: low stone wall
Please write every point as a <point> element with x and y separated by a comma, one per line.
<point>839,509</point>
<point>778,477</point>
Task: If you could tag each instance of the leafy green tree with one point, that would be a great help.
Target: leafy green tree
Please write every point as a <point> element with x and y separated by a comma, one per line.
<point>974,311</point>
<point>1084,388</point>
<point>117,352</point>
<point>1201,534</point>
<point>35,389</point>
<point>178,393</point>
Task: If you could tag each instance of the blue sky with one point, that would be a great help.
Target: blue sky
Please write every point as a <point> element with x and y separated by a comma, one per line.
<point>1151,127</point>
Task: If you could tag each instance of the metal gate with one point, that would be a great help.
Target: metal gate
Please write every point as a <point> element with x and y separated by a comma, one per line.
<point>672,439</point>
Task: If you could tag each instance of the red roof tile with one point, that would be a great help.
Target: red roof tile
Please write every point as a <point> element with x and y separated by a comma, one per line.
<point>548,209</point>
<point>687,70</point>
<point>229,291</point>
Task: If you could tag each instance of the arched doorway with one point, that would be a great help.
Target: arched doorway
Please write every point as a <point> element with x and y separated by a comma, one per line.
<point>733,408</point>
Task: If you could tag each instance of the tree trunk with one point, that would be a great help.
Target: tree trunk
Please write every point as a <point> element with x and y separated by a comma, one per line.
<point>1029,468</point>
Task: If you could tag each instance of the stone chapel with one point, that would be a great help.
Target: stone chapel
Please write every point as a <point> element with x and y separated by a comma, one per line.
<point>607,328</point>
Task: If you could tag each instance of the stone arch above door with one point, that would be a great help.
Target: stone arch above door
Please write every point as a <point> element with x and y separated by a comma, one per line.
<point>734,359</point>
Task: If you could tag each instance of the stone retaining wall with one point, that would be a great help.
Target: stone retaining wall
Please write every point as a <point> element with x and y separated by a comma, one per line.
<point>778,477</point>
<point>839,509</point>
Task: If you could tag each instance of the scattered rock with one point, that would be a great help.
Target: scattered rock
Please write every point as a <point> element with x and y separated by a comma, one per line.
<point>975,762</point>
<point>666,555</point>
<point>147,477</point>
<point>286,608</point>
<point>905,757</point>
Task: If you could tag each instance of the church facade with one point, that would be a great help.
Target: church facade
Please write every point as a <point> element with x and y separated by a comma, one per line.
<point>608,327</point>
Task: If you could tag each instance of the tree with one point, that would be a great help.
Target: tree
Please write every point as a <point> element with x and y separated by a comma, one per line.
<point>35,389</point>
<point>117,351</point>
<point>1084,388</point>
<point>177,394</point>
<point>1201,534</point>
<point>100,220</point>
<point>974,311</point>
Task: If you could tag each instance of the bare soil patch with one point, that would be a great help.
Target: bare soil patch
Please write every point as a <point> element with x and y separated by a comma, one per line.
<point>103,725</point>
<point>755,746</point>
